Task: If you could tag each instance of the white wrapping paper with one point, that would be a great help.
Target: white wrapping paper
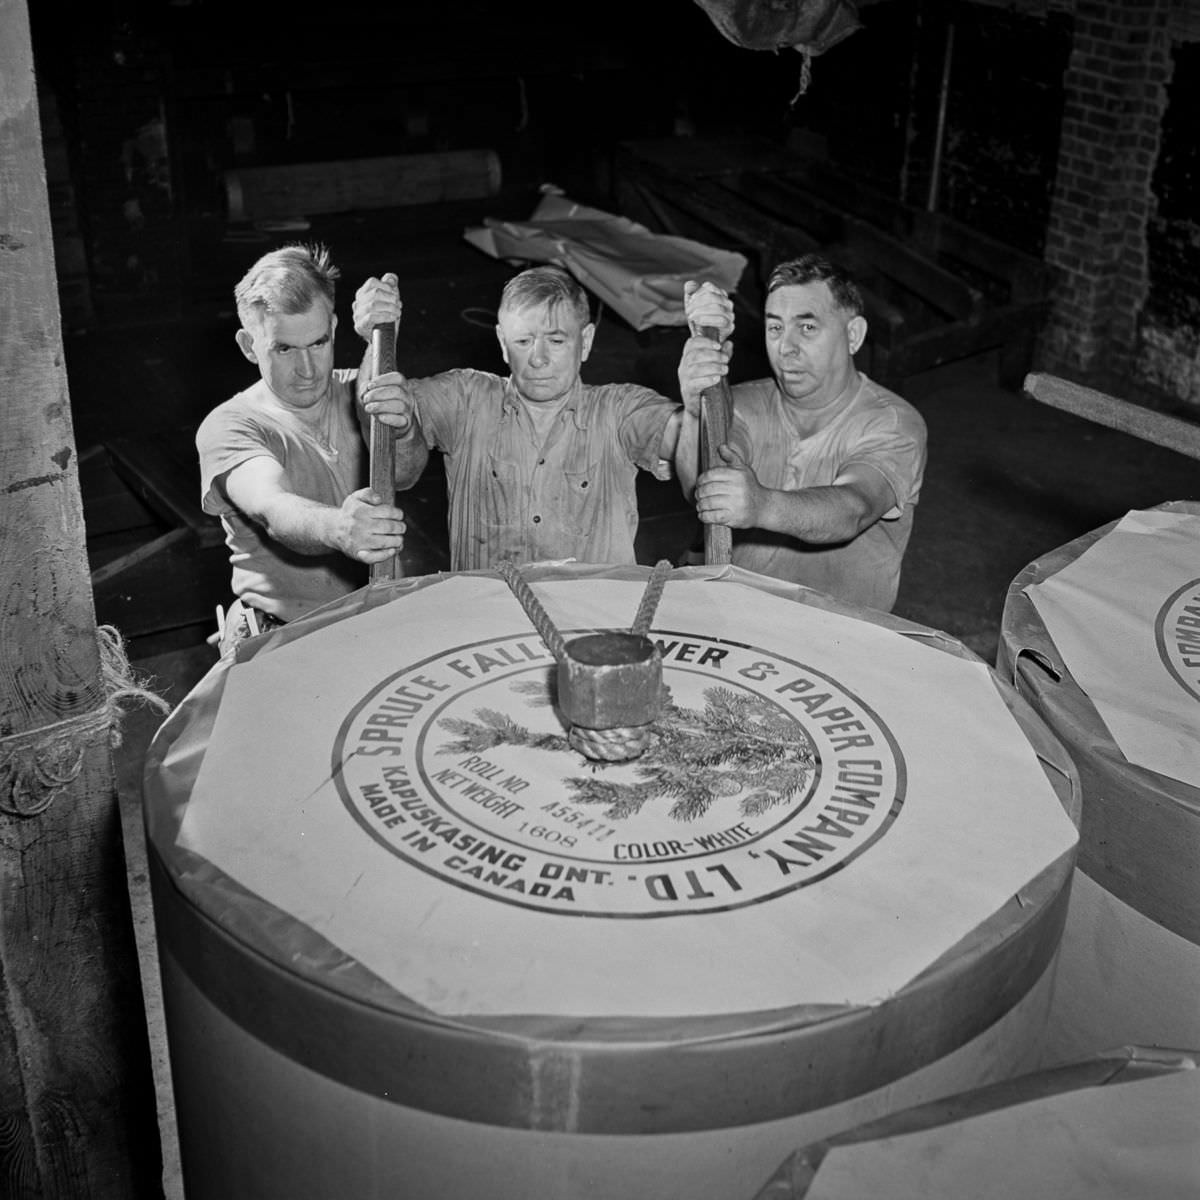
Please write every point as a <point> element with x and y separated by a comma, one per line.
<point>639,274</point>
<point>835,805</point>
<point>1125,615</point>
<point>1135,1139</point>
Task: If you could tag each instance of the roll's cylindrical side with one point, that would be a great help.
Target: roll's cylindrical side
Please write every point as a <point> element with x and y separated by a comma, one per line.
<point>1129,966</point>
<point>1140,831</point>
<point>256,1122</point>
<point>771,1065</point>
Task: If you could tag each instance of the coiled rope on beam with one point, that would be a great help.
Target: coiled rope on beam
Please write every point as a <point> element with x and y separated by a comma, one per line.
<point>37,764</point>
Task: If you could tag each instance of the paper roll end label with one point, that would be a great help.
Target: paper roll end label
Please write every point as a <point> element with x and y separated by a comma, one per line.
<point>763,777</point>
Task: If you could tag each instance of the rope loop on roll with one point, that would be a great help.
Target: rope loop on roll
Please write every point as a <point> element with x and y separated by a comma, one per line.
<point>539,617</point>
<point>610,745</point>
<point>651,597</point>
<point>602,745</point>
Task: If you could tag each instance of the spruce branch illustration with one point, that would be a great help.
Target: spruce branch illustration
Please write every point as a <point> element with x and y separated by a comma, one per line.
<point>496,729</point>
<point>739,744</point>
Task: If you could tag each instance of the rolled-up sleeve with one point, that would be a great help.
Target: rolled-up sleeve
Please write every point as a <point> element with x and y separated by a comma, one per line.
<point>894,444</point>
<point>644,417</point>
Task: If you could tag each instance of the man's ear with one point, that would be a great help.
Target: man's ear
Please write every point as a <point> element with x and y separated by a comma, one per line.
<point>856,333</point>
<point>587,333</point>
<point>503,346</point>
<point>245,341</point>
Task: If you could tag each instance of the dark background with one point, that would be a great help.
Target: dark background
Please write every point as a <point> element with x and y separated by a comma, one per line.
<point>550,87</point>
<point>145,105</point>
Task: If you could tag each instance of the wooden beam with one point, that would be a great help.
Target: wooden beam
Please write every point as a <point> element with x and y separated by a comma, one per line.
<point>1159,428</point>
<point>137,557</point>
<point>353,185</point>
<point>77,1114</point>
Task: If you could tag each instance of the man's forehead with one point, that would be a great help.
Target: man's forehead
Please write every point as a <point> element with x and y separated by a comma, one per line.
<point>800,300</point>
<point>541,318</point>
<point>298,328</point>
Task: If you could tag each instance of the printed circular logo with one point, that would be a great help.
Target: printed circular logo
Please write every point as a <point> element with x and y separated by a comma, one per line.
<point>762,776</point>
<point>1177,634</point>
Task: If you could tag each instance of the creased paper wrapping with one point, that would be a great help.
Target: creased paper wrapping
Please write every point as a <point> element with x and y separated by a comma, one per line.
<point>637,273</point>
<point>835,807</point>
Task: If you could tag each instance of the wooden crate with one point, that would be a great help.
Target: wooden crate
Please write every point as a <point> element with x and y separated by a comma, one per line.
<point>934,289</point>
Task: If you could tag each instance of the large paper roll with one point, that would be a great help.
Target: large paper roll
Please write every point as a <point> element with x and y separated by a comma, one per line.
<point>413,944</point>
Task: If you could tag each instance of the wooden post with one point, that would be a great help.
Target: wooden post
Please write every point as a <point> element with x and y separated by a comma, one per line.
<point>77,1115</point>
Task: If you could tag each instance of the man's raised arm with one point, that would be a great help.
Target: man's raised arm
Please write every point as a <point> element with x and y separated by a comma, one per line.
<point>703,364</point>
<point>387,398</point>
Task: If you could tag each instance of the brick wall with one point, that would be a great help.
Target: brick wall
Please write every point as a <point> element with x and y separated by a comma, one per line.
<point>1169,328</point>
<point>1115,96</point>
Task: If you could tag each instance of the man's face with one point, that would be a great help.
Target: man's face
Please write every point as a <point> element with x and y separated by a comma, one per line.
<point>544,347</point>
<point>811,343</point>
<point>293,352</point>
